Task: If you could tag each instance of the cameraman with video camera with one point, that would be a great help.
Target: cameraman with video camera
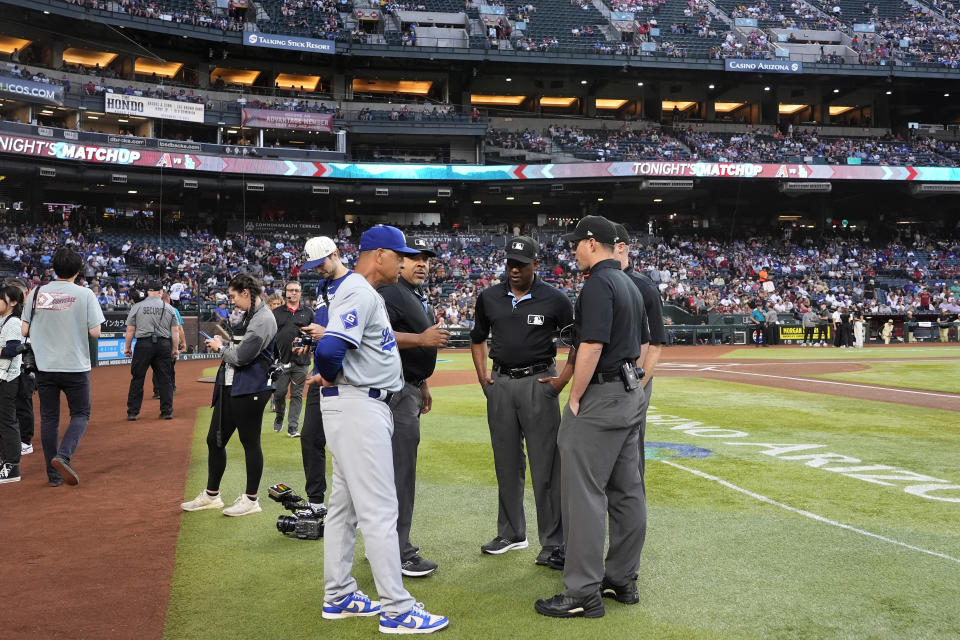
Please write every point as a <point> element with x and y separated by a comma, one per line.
<point>294,362</point>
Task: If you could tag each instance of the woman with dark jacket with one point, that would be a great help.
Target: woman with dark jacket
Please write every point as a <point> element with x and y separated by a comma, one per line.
<point>239,397</point>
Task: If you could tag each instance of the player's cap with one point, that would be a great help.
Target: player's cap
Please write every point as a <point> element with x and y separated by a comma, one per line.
<point>423,247</point>
<point>385,237</point>
<point>596,227</point>
<point>316,251</point>
<point>522,249</point>
<point>622,234</point>
<point>154,285</point>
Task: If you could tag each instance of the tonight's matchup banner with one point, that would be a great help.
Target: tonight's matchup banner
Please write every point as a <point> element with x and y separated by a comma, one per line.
<point>59,150</point>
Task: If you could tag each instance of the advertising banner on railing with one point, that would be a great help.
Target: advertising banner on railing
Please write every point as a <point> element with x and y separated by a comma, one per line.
<point>209,162</point>
<point>153,108</point>
<point>31,91</point>
<point>301,120</point>
<point>767,66</point>
<point>290,43</point>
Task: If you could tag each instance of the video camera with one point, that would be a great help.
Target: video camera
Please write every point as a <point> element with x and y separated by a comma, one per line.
<point>305,523</point>
<point>303,340</point>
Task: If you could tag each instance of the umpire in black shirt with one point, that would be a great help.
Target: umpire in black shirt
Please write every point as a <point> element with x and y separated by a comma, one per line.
<point>418,338</point>
<point>599,434</point>
<point>295,365</point>
<point>524,314</point>
<point>152,322</point>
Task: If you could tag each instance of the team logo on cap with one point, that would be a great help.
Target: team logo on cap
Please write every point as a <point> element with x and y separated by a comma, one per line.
<point>349,319</point>
<point>517,245</point>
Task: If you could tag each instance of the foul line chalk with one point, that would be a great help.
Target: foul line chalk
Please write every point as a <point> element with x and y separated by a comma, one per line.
<point>808,514</point>
<point>834,382</point>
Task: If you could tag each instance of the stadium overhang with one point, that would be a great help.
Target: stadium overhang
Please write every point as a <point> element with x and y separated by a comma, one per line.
<point>9,43</point>
<point>88,57</point>
<point>149,66</point>
<point>294,81</point>
<point>245,77</point>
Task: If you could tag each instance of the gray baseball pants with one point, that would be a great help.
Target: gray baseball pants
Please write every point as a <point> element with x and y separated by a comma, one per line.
<point>405,406</point>
<point>523,410</point>
<point>294,378</point>
<point>359,429</point>
<point>600,476</point>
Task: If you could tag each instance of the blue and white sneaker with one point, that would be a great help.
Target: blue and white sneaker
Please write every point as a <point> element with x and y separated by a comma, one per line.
<point>352,605</point>
<point>417,620</point>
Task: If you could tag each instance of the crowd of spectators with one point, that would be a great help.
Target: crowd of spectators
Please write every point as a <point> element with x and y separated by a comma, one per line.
<point>776,147</point>
<point>199,15</point>
<point>699,275</point>
<point>624,144</point>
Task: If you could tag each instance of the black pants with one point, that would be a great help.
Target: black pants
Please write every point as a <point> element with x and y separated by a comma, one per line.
<point>155,355</point>
<point>406,405</point>
<point>9,427</point>
<point>312,447</point>
<point>27,385</point>
<point>242,414</point>
<point>173,378</point>
<point>808,334</point>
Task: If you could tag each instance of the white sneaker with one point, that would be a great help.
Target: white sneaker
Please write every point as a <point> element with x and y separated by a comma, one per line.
<point>203,501</point>
<point>25,449</point>
<point>243,506</point>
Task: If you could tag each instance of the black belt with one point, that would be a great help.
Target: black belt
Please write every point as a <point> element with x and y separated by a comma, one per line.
<point>523,372</point>
<point>149,337</point>
<point>612,375</point>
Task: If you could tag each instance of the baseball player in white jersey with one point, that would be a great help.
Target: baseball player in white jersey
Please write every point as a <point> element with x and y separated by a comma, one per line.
<point>359,370</point>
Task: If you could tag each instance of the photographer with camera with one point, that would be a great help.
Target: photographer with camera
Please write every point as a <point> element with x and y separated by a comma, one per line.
<point>59,318</point>
<point>239,397</point>
<point>293,358</point>
<point>154,324</point>
<point>11,348</point>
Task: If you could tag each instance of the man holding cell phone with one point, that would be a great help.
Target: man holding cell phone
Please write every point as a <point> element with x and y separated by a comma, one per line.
<point>153,323</point>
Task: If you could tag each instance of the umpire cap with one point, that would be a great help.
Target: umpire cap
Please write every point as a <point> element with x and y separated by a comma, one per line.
<point>423,247</point>
<point>522,249</point>
<point>622,234</point>
<point>596,227</point>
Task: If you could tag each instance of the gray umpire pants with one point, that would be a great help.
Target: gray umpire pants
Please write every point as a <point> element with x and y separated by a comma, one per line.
<point>600,476</point>
<point>405,406</point>
<point>524,410</point>
<point>358,430</point>
<point>294,378</point>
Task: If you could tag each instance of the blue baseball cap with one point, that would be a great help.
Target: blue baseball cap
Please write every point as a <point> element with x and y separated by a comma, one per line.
<point>385,237</point>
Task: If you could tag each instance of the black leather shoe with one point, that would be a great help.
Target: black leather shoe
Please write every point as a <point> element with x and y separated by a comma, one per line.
<point>557,559</point>
<point>166,416</point>
<point>131,417</point>
<point>624,593</point>
<point>543,558</point>
<point>562,606</point>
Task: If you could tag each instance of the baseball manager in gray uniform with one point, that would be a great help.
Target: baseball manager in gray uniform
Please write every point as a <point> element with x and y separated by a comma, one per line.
<point>599,434</point>
<point>359,368</point>
<point>524,314</point>
<point>152,322</point>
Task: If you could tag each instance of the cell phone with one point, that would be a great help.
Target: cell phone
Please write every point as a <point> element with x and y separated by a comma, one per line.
<point>206,335</point>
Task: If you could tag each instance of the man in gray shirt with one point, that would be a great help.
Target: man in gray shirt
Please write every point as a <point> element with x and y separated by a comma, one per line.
<point>59,318</point>
<point>152,322</point>
<point>772,330</point>
<point>809,322</point>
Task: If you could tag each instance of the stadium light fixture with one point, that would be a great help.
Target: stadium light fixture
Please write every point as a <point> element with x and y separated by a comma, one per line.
<point>132,191</point>
<point>712,86</point>
<point>535,203</point>
<point>478,202</point>
<point>946,95</point>
<point>349,200</point>
<point>889,93</point>
<point>510,198</point>
<point>509,79</point>
<point>599,199</point>
<point>583,82</point>
<point>658,199</point>
<point>639,84</point>
<point>836,90</point>
<point>766,88</point>
<point>431,202</point>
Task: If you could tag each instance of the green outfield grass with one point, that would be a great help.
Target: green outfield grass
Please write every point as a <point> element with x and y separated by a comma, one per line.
<point>930,376</point>
<point>717,564</point>
<point>884,352</point>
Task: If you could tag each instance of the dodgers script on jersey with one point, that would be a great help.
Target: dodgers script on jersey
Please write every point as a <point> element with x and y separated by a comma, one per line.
<point>358,315</point>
